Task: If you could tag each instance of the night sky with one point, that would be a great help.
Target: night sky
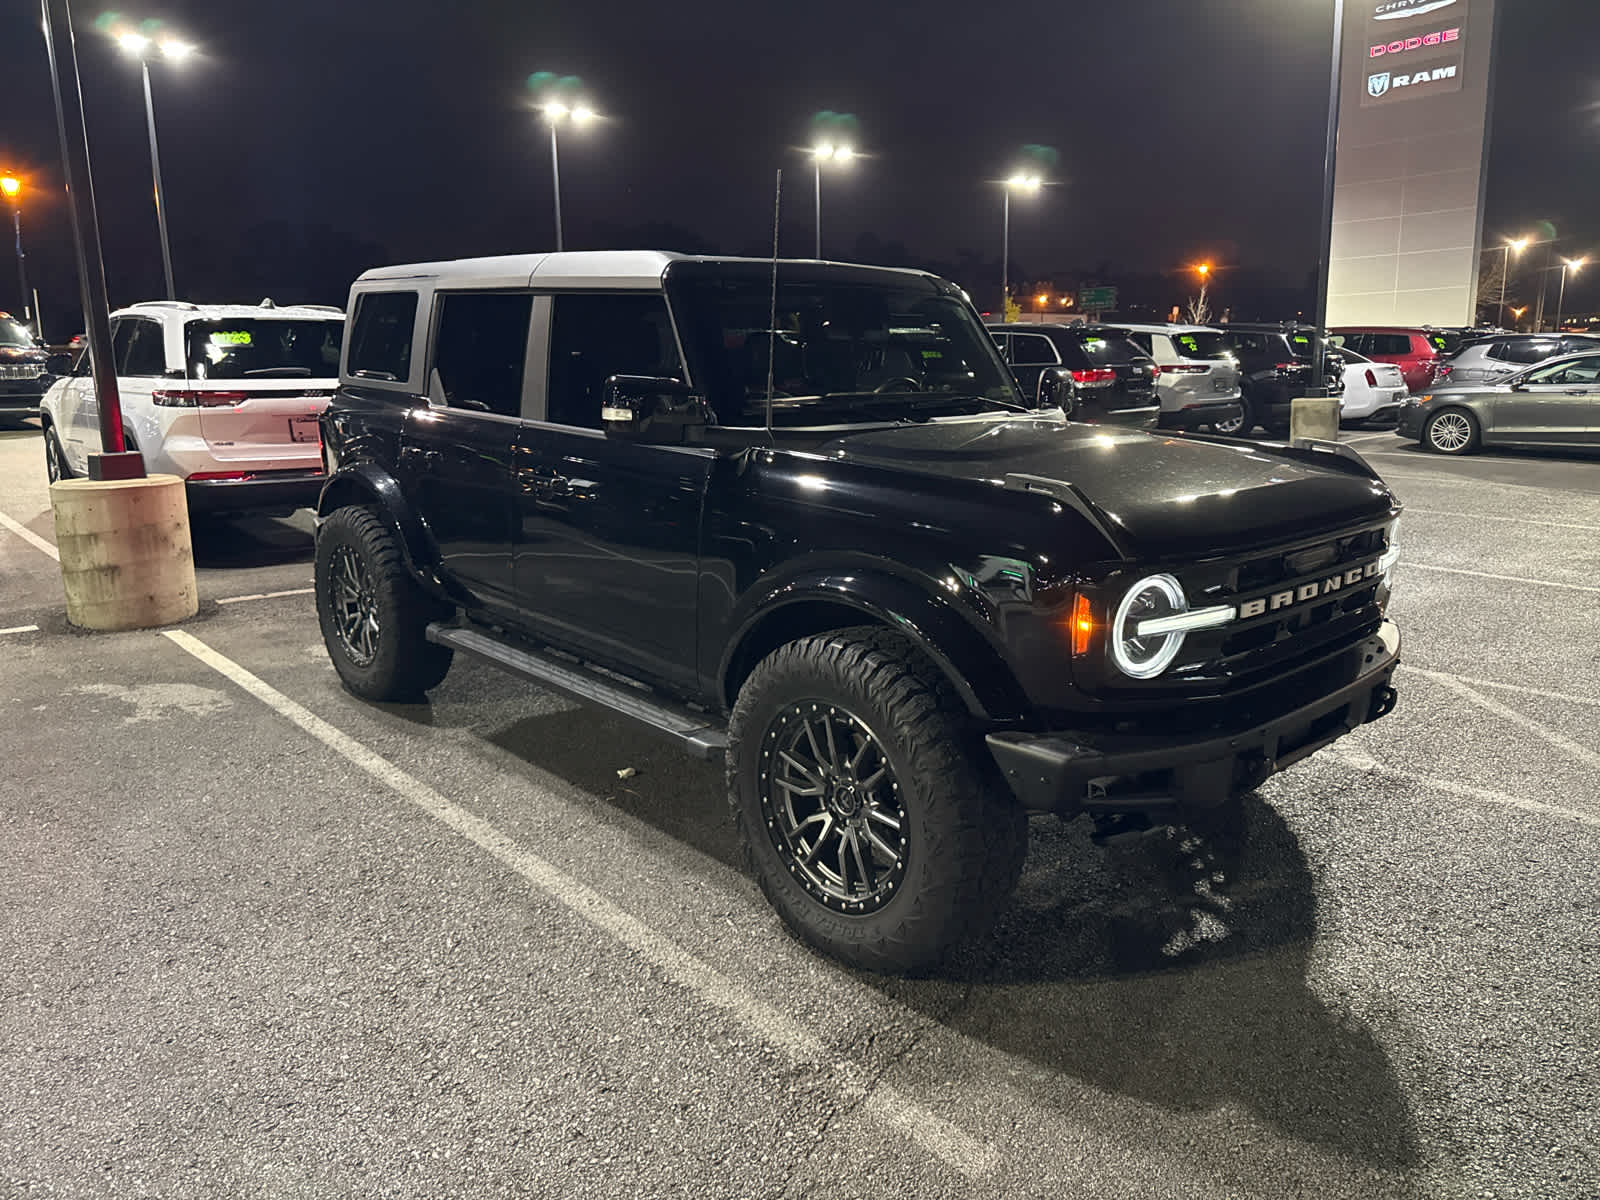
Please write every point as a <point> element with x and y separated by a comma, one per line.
<point>308,141</point>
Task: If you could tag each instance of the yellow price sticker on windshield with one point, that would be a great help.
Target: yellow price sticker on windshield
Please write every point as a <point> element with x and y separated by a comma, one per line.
<point>231,337</point>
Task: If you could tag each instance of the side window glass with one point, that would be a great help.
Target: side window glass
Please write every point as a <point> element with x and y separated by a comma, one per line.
<point>121,340</point>
<point>145,355</point>
<point>1532,351</point>
<point>380,337</point>
<point>480,348</point>
<point>593,337</point>
<point>1031,350</point>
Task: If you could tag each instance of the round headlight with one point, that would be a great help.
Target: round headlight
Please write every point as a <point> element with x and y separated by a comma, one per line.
<point>1150,598</point>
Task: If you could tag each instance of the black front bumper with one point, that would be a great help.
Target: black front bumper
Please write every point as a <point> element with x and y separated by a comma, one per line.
<point>279,492</point>
<point>1066,772</point>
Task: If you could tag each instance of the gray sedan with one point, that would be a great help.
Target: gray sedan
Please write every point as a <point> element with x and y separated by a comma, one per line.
<point>1555,404</point>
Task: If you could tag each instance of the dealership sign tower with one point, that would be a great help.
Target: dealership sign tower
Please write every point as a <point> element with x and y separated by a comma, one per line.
<point>1408,189</point>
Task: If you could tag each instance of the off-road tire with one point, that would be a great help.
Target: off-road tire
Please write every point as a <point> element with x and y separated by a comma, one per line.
<point>403,664</point>
<point>966,836</point>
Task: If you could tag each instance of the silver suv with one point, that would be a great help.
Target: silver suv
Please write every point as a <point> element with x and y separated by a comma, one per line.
<point>1197,377</point>
<point>1495,360</point>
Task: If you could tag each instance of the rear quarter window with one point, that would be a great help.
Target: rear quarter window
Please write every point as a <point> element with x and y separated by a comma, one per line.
<point>380,336</point>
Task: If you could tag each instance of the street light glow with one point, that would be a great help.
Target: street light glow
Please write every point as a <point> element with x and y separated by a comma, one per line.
<point>133,43</point>
<point>1021,180</point>
<point>843,154</point>
<point>1518,244</point>
<point>1043,299</point>
<point>583,114</point>
<point>1574,263</point>
<point>1204,269</point>
<point>10,185</point>
<point>555,110</point>
<point>174,49</point>
<point>822,150</point>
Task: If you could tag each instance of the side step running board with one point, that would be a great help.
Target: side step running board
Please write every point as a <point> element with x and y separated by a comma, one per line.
<point>698,733</point>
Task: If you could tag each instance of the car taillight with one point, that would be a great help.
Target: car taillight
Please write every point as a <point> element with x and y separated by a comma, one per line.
<point>1442,371</point>
<point>1372,380</point>
<point>197,476</point>
<point>1095,375</point>
<point>193,399</point>
<point>1288,366</point>
<point>1184,369</point>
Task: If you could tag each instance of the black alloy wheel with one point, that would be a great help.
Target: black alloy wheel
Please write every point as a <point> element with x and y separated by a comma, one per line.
<point>832,806</point>
<point>355,607</point>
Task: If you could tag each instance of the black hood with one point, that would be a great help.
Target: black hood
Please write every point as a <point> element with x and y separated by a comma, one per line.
<point>1160,496</point>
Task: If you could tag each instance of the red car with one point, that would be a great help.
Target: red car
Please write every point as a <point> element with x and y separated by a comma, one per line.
<point>1415,351</point>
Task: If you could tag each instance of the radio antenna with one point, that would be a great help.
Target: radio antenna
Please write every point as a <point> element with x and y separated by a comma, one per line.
<point>772,315</point>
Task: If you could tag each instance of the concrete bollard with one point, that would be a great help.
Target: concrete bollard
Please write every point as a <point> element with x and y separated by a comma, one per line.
<point>1314,417</point>
<point>126,558</point>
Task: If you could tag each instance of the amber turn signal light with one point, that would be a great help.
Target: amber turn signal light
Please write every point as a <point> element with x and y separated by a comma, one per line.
<point>1082,624</point>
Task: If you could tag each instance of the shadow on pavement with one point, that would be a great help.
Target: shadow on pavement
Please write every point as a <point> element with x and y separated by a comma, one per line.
<point>1173,971</point>
<point>250,541</point>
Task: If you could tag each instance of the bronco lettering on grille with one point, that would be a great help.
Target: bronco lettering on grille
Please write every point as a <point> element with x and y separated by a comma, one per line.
<point>1315,590</point>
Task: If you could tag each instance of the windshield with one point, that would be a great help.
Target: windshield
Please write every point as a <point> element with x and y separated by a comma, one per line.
<point>14,333</point>
<point>840,349</point>
<point>262,348</point>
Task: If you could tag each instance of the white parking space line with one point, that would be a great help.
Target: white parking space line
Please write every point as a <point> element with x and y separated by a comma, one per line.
<point>1467,516</point>
<point>20,629</point>
<point>29,536</point>
<point>1559,741</point>
<point>266,595</point>
<point>1509,687</point>
<point>1571,587</point>
<point>933,1133</point>
<point>1361,761</point>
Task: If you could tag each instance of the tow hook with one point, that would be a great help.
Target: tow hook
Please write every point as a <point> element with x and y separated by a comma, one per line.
<point>1383,701</point>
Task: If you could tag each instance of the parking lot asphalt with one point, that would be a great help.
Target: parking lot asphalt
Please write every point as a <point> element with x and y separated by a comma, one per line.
<point>264,939</point>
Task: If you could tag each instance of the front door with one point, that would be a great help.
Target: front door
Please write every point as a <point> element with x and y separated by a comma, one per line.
<point>608,557</point>
<point>1553,405</point>
<point>456,452</point>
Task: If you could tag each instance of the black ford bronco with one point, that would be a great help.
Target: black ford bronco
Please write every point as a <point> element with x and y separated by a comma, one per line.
<point>799,515</point>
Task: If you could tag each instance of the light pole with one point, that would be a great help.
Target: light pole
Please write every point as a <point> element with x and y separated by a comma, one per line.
<point>1567,264</point>
<point>1028,183</point>
<point>820,153</point>
<point>140,46</point>
<point>11,186</point>
<point>555,112</point>
<point>1319,383</point>
<point>1519,245</point>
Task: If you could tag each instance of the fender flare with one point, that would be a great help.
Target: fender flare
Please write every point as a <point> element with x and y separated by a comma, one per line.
<point>367,483</point>
<point>974,666</point>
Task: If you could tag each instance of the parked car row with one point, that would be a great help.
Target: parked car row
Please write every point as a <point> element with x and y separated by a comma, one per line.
<point>226,397</point>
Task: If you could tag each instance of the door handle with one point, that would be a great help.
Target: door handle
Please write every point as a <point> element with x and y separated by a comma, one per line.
<point>422,460</point>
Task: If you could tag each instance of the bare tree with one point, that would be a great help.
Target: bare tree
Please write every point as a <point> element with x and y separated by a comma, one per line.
<point>1492,284</point>
<point>1199,311</point>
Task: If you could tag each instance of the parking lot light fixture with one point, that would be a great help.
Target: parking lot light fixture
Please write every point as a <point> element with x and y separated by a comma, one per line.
<point>1569,266</point>
<point>174,50</point>
<point>1025,181</point>
<point>11,188</point>
<point>1511,244</point>
<point>839,155</point>
<point>555,112</point>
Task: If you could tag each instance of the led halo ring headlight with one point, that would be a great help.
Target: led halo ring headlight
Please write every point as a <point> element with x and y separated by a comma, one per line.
<point>1147,657</point>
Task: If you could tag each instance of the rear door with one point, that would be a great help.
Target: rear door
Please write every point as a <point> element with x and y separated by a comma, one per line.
<point>261,383</point>
<point>456,453</point>
<point>1030,355</point>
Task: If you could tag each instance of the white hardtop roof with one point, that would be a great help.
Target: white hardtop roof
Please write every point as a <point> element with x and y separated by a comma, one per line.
<point>1162,327</point>
<point>233,312</point>
<point>571,268</point>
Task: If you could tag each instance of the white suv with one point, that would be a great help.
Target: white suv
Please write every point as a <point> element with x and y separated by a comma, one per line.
<point>1198,376</point>
<point>225,396</point>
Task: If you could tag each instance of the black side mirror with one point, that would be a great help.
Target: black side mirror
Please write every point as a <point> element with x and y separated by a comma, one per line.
<point>649,408</point>
<point>1056,389</point>
<point>58,364</point>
